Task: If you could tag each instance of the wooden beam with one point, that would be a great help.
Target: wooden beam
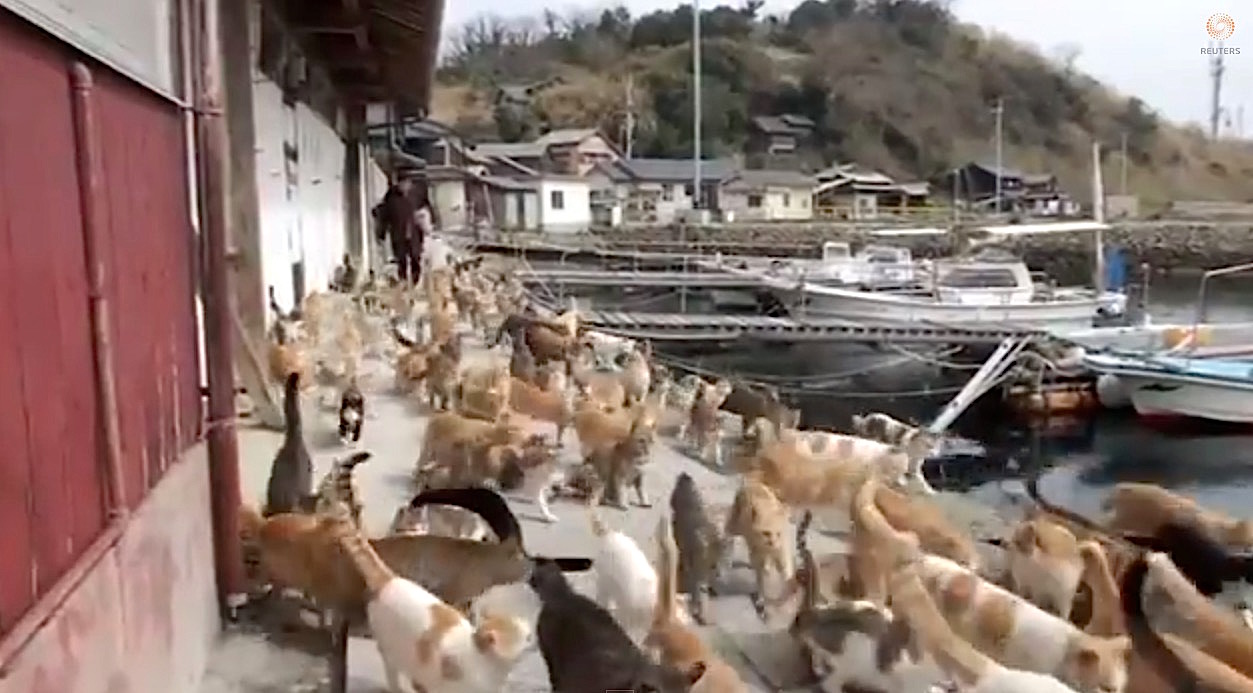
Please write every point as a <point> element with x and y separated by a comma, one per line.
<point>310,19</point>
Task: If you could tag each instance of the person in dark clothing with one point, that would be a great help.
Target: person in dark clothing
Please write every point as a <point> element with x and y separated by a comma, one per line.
<point>397,217</point>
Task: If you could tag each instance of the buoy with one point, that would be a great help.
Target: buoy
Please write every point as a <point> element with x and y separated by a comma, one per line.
<point>1111,392</point>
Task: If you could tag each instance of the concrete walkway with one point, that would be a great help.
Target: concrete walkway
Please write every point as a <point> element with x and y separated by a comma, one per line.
<point>250,662</point>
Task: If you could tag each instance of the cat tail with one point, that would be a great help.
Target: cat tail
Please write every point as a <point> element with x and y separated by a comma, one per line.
<point>599,528</point>
<point>374,572</point>
<point>667,572</point>
<point>291,406</point>
<point>1146,641</point>
<point>807,579</point>
<point>485,503</point>
<point>954,655</point>
<point>867,516</point>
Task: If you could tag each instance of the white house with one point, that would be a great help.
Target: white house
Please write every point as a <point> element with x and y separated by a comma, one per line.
<point>565,203</point>
<point>766,195</point>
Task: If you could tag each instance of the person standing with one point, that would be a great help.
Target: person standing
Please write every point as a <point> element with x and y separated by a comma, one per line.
<point>397,217</point>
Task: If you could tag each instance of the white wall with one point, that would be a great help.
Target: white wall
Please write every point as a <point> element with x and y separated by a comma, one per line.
<point>302,210</point>
<point>320,186</point>
<point>575,213</point>
<point>374,186</point>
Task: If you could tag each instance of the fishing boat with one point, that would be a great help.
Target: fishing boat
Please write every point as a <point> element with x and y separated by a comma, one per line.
<point>1216,389</point>
<point>987,287</point>
<point>1188,376</point>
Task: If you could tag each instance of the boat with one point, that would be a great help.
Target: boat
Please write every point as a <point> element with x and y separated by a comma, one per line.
<point>1215,389</point>
<point>989,287</point>
<point>1199,371</point>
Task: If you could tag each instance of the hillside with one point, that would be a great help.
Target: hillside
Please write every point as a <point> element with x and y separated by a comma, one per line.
<point>898,85</point>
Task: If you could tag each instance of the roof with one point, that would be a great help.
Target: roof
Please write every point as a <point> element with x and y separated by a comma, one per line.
<point>566,136</point>
<point>842,174</point>
<point>918,189</point>
<point>787,124</point>
<point>762,178</point>
<point>991,168</point>
<point>390,51</point>
<point>522,150</point>
<point>511,184</point>
<point>674,170</point>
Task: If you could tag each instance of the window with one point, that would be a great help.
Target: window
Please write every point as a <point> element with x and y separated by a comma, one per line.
<point>787,200</point>
<point>754,201</point>
<point>667,192</point>
<point>557,199</point>
<point>687,190</point>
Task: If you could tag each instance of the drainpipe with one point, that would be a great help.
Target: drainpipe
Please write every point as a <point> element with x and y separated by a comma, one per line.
<point>211,151</point>
<point>91,195</point>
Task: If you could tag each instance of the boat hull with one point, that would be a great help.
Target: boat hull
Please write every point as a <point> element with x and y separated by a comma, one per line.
<point>1158,398</point>
<point>858,305</point>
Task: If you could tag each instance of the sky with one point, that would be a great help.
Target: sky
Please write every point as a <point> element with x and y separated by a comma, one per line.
<point>1145,48</point>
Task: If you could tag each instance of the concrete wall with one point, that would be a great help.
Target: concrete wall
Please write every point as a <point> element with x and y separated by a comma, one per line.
<point>575,212</point>
<point>777,204</point>
<point>449,199</point>
<point>145,618</point>
<point>320,196</point>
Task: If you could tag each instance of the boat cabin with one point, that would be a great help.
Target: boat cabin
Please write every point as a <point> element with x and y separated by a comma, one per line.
<point>984,282</point>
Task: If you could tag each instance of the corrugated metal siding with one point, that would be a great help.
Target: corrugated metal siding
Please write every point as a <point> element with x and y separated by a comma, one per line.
<point>51,451</point>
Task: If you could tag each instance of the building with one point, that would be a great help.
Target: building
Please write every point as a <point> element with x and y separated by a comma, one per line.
<point>763,195</point>
<point>565,203</point>
<point>849,191</point>
<point>1023,193</point>
<point>120,518</point>
<point>654,191</point>
<point>779,135</point>
<point>565,152</point>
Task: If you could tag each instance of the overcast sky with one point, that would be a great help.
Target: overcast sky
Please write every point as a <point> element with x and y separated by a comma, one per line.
<point>1147,48</point>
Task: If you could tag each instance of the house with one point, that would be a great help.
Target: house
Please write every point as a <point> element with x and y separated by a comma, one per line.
<point>564,203</point>
<point>513,204</point>
<point>575,151</point>
<point>655,191</point>
<point>528,154</point>
<point>765,195</point>
<point>1034,194</point>
<point>852,192</point>
<point>773,135</point>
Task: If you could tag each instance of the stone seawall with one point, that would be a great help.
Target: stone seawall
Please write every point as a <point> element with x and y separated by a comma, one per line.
<point>1165,246</point>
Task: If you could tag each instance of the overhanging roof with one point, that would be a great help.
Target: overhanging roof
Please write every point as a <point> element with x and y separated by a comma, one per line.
<point>375,50</point>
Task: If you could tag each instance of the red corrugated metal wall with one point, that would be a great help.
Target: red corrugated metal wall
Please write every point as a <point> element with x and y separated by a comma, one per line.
<point>52,498</point>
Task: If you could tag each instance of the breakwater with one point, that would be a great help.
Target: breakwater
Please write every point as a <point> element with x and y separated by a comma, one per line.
<point>1165,246</point>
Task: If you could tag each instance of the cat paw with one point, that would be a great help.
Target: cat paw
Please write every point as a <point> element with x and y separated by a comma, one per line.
<point>759,606</point>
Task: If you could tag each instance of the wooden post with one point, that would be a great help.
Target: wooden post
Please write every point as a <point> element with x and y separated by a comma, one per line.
<point>355,229</point>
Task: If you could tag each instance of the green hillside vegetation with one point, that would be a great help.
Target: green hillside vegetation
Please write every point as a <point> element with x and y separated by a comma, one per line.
<point>898,85</point>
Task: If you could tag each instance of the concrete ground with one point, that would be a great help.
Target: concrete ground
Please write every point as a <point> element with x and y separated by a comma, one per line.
<point>250,661</point>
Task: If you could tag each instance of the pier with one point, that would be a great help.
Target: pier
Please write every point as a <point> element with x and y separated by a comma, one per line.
<point>563,276</point>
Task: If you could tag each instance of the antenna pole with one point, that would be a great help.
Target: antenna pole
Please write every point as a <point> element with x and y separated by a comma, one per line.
<point>1122,182</point>
<point>696,105</point>
<point>1000,126</point>
<point>630,114</point>
<point>1216,72</point>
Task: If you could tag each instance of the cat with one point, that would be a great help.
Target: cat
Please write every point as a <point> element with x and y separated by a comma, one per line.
<point>973,671</point>
<point>1019,634</point>
<point>700,545</point>
<point>426,641</point>
<point>1179,663</point>
<point>1106,618</point>
<point>761,519</point>
<point>351,412</point>
<point>855,645</point>
<point>1143,508</point>
<point>532,474</point>
<point>619,465</point>
<point>339,486</point>
<point>290,487</point>
<point>626,583</point>
<point>584,648</point>
<point>677,645</point>
<point>1044,565</point>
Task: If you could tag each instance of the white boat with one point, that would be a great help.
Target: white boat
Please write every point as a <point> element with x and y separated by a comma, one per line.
<point>988,289</point>
<point>872,267</point>
<point>1216,389</point>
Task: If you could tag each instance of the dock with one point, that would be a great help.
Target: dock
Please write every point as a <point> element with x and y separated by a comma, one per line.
<point>692,327</point>
<point>660,279</point>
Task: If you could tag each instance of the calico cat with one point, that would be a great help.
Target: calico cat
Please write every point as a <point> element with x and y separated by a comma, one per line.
<point>426,641</point>
<point>290,488</point>
<point>585,649</point>
<point>973,671</point>
<point>351,412</point>
<point>339,486</point>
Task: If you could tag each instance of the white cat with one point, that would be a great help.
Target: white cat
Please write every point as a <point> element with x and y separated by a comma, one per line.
<point>626,582</point>
<point>973,671</point>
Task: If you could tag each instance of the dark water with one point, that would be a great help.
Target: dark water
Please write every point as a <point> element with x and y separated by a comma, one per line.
<point>1081,461</point>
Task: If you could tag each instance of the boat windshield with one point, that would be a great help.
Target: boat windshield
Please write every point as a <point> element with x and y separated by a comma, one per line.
<point>980,278</point>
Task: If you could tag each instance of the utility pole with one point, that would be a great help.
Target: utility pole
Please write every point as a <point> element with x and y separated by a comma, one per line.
<point>696,105</point>
<point>630,114</point>
<point>1122,179</point>
<point>1000,126</point>
<point>1216,72</point>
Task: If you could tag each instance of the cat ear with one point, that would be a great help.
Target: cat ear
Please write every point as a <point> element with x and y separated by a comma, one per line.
<point>695,672</point>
